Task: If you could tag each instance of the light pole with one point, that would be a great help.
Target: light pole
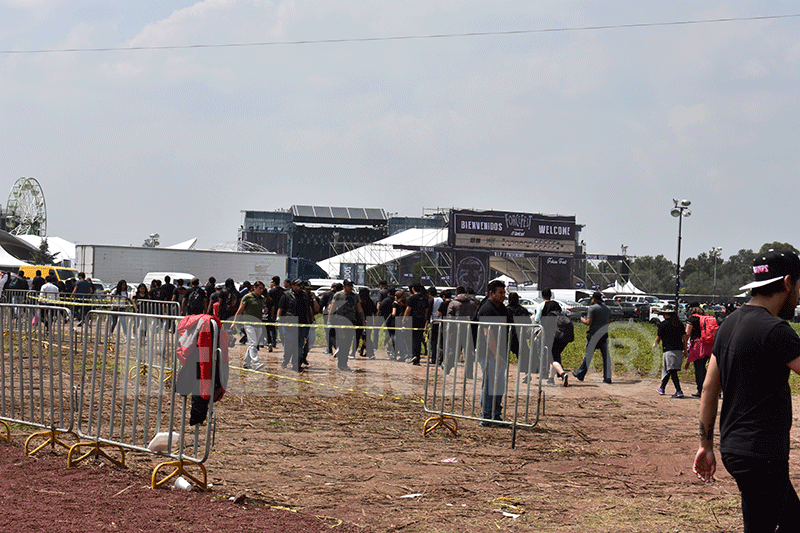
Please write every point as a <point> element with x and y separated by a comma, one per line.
<point>715,251</point>
<point>680,210</point>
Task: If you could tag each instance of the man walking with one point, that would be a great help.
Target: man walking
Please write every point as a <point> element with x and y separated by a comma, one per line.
<point>754,350</point>
<point>83,288</point>
<point>345,310</point>
<point>275,293</point>
<point>295,313</point>
<point>596,338</point>
<point>251,310</point>
<point>417,308</point>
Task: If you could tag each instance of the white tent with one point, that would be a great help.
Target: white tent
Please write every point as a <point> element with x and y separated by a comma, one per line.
<point>9,261</point>
<point>64,249</point>
<point>185,245</point>
<point>627,288</point>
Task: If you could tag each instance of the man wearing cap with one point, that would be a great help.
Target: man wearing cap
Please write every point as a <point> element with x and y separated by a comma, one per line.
<point>596,337</point>
<point>754,350</point>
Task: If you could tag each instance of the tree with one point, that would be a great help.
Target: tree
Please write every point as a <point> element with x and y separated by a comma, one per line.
<point>653,274</point>
<point>777,246</point>
<point>42,255</point>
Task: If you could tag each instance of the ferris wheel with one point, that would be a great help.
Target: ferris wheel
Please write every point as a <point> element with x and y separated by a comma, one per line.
<point>26,213</point>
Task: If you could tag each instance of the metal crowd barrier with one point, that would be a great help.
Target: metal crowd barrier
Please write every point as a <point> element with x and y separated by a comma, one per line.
<point>158,307</point>
<point>37,372</point>
<point>110,384</point>
<point>123,402</point>
<point>472,377</point>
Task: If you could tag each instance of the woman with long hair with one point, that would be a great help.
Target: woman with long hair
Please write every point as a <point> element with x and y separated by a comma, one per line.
<point>141,294</point>
<point>119,302</point>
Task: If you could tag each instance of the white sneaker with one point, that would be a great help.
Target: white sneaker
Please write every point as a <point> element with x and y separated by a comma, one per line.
<point>258,366</point>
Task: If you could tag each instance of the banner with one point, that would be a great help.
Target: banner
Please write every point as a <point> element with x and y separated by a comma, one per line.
<point>499,230</point>
<point>471,270</point>
<point>555,272</point>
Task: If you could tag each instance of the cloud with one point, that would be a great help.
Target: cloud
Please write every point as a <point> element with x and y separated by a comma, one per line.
<point>685,121</point>
<point>753,70</point>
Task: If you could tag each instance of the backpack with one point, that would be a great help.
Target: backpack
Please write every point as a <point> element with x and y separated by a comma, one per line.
<point>565,331</point>
<point>195,301</point>
<point>708,328</point>
<point>228,304</point>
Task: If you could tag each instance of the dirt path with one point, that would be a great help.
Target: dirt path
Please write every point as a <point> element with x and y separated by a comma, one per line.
<point>611,458</point>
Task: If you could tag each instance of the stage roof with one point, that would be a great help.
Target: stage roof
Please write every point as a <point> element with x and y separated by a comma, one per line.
<point>383,251</point>
<point>338,215</point>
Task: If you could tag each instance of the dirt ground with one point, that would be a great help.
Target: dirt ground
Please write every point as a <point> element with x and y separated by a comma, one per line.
<point>329,451</point>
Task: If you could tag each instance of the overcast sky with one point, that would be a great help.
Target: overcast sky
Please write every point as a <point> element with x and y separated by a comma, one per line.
<point>608,125</point>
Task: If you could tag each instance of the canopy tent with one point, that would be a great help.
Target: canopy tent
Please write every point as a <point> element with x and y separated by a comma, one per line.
<point>627,288</point>
<point>185,245</point>
<point>19,249</point>
<point>8,261</point>
<point>63,249</point>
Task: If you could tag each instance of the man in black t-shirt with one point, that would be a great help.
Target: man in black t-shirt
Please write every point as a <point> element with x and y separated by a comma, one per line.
<point>37,282</point>
<point>754,350</point>
<point>492,343</point>
<point>275,293</point>
<point>295,312</point>
<point>417,307</point>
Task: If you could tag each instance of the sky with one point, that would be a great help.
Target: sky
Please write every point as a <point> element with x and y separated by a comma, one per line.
<point>607,124</point>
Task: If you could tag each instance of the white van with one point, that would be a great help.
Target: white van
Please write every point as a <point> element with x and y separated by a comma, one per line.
<point>150,276</point>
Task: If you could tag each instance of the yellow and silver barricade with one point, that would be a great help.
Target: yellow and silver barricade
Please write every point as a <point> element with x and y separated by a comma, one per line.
<point>37,372</point>
<point>472,377</point>
<point>122,410</point>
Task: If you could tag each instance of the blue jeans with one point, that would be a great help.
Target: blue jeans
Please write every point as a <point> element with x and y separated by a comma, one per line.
<point>597,342</point>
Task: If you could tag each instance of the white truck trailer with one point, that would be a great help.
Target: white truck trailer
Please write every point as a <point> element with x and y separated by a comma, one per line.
<point>131,263</point>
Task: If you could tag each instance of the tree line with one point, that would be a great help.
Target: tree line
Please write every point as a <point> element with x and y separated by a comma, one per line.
<point>656,275</point>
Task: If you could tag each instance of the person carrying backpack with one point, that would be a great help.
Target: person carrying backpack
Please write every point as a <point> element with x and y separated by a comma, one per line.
<point>700,330</point>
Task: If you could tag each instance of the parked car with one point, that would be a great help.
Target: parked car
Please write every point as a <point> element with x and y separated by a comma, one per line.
<point>531,305</point>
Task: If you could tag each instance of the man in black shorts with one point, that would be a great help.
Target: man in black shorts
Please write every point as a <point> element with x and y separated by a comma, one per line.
<point>754,350</point>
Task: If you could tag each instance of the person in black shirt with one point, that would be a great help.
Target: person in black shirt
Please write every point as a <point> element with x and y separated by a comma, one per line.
<point>385,312</point>
<point>295,312</point>
<point>672,336</point>
<point>366,335</point>
<point>754,351</point>
<point>437,347</point>
<point>417,308</point>
<point>275,292</point>
<point>492,344</point>
<point>37,282</point>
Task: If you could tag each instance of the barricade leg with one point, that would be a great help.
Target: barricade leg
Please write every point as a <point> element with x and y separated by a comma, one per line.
<point>7,436</point>
<point>180,470</point>
<point>97,450</point>
<point>440,420</point>
<point>51,438</point>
